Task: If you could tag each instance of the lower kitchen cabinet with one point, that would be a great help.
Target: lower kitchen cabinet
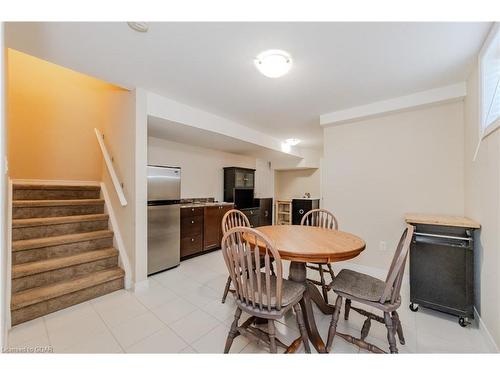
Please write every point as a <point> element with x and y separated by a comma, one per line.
<point>212,232</point>
<point>253,215</point>
<point>201,228</point>
<point>191,231</point>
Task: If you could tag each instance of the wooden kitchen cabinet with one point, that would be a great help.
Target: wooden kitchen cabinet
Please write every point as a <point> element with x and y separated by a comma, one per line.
<point>191,231</point>
<point>212,233</point>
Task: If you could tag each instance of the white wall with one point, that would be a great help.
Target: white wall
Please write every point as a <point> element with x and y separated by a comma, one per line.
<point>295,183</point>
<point>482,203</point>
<point>202,173</point>
<point>378,169</point>
<point>264,179</point>
<point>3,196</point>
<point>119,140</point>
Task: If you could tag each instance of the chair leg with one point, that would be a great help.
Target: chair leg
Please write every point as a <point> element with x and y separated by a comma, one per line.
<point>399,327</point>
<point>272,336</point>
<point>323,282</point>
<point>391,334</point>
<point>302,327</point>
<point>333,324</point>
<point>226,289</point>
<point>347,308</point>
<point>330,269</point>
<point>233,331</point>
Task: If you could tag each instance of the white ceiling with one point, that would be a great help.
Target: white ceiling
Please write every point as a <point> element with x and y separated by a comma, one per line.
<point>210,65</point>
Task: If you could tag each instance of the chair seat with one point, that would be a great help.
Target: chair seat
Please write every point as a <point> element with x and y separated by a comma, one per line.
<point>291,291</point>
<point>359,285</point>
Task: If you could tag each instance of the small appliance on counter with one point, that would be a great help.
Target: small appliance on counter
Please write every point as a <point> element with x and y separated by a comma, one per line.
<point>302,206</point>
<point>164,211</point>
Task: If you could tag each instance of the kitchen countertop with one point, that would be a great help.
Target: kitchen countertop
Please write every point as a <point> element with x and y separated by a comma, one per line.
<point>206,204</point>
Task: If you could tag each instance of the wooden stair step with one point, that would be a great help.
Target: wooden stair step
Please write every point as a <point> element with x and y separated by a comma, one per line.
<point>36,295</point>
<point>33,268</point>
<point>55,187</point>
<point>39,221</point>
<point>59,240</point>
<point>57,202</point>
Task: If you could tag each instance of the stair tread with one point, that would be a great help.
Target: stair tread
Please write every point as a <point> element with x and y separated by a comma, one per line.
<point>56,187</point>
<point>36,243</point>
<point>56,202</point>
<point>38,221</point>
<point>33,268</point>
<point>36,295</point>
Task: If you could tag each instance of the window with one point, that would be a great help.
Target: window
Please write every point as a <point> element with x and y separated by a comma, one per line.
<point>489,70</point>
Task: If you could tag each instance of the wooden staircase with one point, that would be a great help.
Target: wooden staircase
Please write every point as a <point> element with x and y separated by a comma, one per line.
<point>62,249</point>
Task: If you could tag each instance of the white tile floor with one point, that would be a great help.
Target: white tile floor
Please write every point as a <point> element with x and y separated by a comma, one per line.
<point>181,313</point>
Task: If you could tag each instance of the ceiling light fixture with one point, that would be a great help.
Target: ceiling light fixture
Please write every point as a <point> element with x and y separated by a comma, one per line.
<point>292,141</point>
<point>141,27</point>
<point>273,63</point>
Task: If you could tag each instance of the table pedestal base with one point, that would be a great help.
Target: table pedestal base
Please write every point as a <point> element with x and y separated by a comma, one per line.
<point>298,274</point>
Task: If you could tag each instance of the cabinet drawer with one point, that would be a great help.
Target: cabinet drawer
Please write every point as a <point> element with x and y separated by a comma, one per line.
<point>191,245</point>
<point>191,226</point>
<point>191,211</point>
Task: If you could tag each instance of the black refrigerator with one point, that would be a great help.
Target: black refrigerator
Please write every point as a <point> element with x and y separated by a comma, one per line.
<point>302,206</point>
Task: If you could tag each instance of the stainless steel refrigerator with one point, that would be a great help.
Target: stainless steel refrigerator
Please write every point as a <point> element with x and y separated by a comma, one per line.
<point>164,217</point>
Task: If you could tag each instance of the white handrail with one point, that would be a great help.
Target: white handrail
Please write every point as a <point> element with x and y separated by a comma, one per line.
<point>111,170</point>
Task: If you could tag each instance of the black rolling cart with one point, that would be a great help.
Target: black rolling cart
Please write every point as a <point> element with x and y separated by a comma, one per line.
<point>442,265</point>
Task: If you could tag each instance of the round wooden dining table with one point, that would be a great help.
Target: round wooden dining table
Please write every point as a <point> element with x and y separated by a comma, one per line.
<point>305,244</point>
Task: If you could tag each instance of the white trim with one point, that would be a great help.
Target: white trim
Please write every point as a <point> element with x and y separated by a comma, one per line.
<point>438,95</point>
<point>117,239</point>
<point>55,182</point>
<point>486,333</point>
<point>8,276</point>
<point>111,169</point>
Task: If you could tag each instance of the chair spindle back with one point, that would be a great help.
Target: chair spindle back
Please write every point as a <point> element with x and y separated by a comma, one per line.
<point>234,218</point>
<point>242,249</point>
<point>321,218</point>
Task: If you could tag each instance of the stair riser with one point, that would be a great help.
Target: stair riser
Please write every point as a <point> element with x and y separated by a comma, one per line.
<point>35,194</point>
<point>62,274</point>
<point>32,212</point>
<point>55,304</point>
<point>52,230</point>
<point>43,253</point>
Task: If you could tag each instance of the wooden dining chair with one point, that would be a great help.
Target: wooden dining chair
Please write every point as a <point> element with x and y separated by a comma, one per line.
<point>324,219</point>
<point>260,293</point>
<point>231,219</point>
<point>382,295</point>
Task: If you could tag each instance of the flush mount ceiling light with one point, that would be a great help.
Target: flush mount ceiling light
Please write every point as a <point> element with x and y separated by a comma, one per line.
<point>273,63</point>
<point>141,27</point>
<point>292,141</point>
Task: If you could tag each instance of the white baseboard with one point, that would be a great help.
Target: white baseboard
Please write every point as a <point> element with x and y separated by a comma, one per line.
<point>56,182</point>
<point>486,333</point>
<point>118,239</point>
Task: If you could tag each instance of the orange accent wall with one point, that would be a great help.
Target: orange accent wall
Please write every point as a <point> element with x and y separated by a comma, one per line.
<point>51,115</point>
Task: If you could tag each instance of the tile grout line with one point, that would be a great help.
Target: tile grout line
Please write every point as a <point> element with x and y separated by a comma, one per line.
<point>107,327</point>
<point>157,317</point>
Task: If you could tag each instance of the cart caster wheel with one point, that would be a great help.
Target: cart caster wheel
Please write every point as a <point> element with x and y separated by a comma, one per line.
<point>463,322</point>
<point>413,307</point>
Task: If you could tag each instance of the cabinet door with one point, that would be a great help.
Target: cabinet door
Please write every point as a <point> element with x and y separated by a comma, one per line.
<point>211,221</point>
<point>239,179</point>
<point>248,179</point>
<point>223,211</point>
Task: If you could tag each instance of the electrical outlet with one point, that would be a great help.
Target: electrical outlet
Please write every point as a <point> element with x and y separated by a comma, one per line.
<point>382,246</point>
